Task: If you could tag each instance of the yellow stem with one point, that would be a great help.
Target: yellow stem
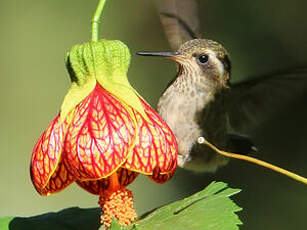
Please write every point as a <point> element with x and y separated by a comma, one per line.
<point>292,175</point>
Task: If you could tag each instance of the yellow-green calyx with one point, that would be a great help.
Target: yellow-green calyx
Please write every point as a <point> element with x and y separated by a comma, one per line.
<point>105,62</point>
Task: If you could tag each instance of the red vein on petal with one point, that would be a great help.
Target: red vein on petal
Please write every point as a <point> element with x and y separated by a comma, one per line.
<point>97,187</point>
<point>59,180</point>
<point>161,145</point>
<point>99,143</point>
<point>45,153</point>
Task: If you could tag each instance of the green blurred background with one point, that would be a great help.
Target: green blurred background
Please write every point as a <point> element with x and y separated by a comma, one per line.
<point>260,35</point>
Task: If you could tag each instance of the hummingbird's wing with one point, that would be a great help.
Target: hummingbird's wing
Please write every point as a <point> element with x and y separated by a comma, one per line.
<point>179,19</point>
<point>252,102</point>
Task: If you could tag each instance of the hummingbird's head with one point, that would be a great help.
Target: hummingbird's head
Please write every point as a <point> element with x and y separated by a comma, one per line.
<point>208,58</point>
<point>203,58</point>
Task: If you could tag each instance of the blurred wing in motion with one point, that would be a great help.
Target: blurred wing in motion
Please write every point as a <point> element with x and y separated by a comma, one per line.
<point>252,102</point>
<point>180,20</point>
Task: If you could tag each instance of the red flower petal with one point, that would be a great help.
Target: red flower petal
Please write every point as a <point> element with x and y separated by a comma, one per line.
<point>159,177</point>
<point>46,155</point>
<point>156,146</point>
<point>100,136</point>
<point>97,187</point>
<point>59,180</point>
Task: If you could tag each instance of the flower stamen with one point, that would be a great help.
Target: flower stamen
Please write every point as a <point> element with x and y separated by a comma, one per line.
<point>119,205</point>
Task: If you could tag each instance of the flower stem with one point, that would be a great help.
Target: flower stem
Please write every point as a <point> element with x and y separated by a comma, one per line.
<point>96,20</point>
<point>114,183</point>
<point>202,140</point>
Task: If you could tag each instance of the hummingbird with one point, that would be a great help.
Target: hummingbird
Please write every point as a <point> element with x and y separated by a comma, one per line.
<point>194,104</point>
<point>202,102</point>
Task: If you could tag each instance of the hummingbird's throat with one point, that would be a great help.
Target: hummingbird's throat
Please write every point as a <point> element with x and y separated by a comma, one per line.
<point>209,80</point>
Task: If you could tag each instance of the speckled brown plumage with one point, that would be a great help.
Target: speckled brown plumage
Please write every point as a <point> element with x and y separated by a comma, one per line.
<point>193,104</point>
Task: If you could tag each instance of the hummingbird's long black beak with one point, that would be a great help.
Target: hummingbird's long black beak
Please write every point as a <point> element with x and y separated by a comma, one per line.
<point>172,55</point>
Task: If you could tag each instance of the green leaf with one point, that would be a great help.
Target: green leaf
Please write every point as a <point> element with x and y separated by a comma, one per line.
<point>115,225</point>
<point>209,209</point>
<point>4,223</point>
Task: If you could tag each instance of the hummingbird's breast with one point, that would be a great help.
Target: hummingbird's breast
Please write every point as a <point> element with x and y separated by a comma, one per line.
<point>193,112</point>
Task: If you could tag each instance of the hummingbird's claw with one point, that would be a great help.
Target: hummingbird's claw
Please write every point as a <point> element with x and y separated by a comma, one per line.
<point>182,160</point>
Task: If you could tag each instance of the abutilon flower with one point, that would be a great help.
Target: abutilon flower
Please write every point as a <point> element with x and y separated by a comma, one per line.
<point>105,134</point>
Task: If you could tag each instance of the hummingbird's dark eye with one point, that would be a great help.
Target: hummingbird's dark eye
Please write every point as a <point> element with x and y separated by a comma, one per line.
<point>202,59</point>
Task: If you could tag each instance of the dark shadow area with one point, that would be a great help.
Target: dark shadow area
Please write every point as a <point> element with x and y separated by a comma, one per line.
<point>71,218</point>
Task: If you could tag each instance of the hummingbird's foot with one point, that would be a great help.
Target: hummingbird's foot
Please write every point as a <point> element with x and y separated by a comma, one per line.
<point>183,159</point>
